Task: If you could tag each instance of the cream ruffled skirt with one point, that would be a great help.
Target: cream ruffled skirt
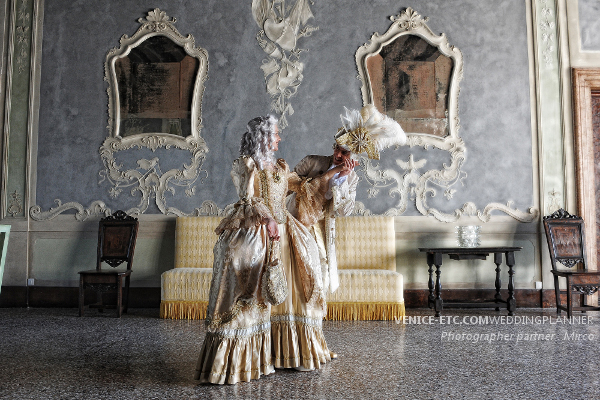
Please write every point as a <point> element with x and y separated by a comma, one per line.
<point>237,346</point>
<point>297,327</point>
<point>261,337</point>
<point>236,355</point>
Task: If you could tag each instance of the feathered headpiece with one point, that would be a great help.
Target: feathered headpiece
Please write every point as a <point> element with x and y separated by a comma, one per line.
<point>368,131</point>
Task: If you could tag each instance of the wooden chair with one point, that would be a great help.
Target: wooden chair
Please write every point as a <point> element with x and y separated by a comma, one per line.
<point>116,243</point>
<point>566,241</point>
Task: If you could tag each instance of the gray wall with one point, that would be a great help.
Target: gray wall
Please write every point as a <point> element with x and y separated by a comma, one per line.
<point>494,98</point>
<point>589,22</point>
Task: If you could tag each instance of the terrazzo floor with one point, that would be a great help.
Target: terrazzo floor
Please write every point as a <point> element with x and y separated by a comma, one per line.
<point>54,354</point>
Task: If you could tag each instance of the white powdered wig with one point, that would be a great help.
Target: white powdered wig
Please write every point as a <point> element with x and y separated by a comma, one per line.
<point>258,139</point>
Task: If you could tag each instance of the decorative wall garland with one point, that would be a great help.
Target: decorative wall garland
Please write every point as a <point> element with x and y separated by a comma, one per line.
<point>15,208</point>
<point>23,36</point>
<point>547,27</point>
<point>280,29</point>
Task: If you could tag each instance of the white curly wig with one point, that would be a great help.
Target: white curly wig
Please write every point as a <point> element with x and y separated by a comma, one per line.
<point>257,140</point>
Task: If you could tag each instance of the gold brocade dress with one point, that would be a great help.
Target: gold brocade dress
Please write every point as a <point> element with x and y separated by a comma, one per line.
<point>244,340</point>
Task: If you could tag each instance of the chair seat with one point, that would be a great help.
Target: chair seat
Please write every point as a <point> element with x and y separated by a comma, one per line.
<point>368,285</point>
<point>186,284</point>
<point>367,295</point>
<point>104,272</point>
<point>574,272</point>
<point>184,293</point>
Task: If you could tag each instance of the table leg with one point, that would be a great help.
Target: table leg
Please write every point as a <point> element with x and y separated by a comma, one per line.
<point>439,304</point>
<point>119,296</point>
<point>431,298</point>
<point>81,296</point>
<point>511,302</point>
<point>498,262</point>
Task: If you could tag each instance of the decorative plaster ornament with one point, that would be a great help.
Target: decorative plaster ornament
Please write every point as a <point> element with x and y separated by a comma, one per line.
<point>281,27</point>
<point>547,25</point>
<point>148,179</point>
<point>554,201</point>
<point>412,184</point>
<point>23,36</point>
<point>15,207</point>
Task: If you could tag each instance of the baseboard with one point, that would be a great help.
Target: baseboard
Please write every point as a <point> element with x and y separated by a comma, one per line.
<point>41,296</point>
<point>67,297</point>
<point>528,298</point>
<point>13,296</point>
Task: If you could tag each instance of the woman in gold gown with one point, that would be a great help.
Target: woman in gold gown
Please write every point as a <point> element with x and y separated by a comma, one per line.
<point>245,338</point>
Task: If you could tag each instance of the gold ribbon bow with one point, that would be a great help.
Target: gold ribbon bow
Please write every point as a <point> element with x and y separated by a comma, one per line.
<point>359,141</point>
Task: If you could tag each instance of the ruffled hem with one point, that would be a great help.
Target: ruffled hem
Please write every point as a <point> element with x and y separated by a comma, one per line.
<point>298,345</point>
<point>244,214</point>
<point>232,360</point>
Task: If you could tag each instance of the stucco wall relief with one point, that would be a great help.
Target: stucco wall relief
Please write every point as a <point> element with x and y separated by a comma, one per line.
<point>410,182</point>
<point>148,179</point>
<point>280,29</point>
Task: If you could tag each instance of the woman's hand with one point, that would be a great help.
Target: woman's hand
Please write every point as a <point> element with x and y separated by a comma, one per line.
<point>272,229</point>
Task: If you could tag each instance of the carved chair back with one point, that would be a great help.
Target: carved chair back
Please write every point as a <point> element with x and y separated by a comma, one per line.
<point>566,239</point>
<point>117,235</point>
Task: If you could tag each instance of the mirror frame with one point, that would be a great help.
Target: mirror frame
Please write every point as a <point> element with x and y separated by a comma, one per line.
<point>421,186</point>
<point>409,22</point>
<point>157,23</point>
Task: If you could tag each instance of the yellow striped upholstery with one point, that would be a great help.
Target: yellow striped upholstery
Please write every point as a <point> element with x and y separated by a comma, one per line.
<point>365,243</point>
<point>184,290</point>
<point>195,238</point>
<point>370,288</point>
<point>190,284</point>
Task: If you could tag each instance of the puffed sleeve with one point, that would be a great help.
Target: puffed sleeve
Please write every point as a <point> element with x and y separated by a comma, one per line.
<point>310,197</point>
<point>250,210</point>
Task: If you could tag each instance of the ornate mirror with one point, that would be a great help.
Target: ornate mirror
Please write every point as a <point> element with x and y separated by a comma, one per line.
<point>156,81</point>
<point>413,75</point>
<point>155,87</point>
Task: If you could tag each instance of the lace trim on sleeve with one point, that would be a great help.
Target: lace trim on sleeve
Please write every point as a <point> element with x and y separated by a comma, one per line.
<point>310,200</point>
<point>246,213</point>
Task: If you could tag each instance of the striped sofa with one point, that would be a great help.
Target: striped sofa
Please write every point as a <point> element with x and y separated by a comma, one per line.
<point>370,288</point>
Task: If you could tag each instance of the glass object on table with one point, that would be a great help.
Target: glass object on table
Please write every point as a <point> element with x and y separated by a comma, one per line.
<point>468,236</point>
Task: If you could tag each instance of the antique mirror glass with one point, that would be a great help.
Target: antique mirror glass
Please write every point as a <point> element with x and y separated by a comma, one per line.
<point>410,80</point>
<point>156,81</point>
<point>412,75</point>
<point>155,88</point>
